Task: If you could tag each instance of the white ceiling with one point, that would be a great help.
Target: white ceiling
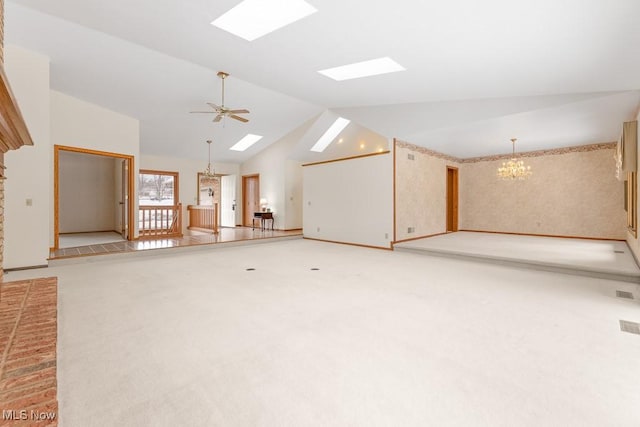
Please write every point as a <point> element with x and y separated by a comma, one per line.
<point>478,73</point>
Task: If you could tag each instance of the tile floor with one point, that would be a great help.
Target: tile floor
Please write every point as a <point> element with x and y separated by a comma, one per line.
<point>225,235</point>
<point>85,239</point>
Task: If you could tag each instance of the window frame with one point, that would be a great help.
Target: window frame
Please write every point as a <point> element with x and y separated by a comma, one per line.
<point>176,184</point>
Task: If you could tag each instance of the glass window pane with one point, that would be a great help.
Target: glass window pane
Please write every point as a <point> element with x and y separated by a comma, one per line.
<point>156,189</point>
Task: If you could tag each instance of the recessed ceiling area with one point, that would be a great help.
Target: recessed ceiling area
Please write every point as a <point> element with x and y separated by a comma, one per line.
<point>477,73</point>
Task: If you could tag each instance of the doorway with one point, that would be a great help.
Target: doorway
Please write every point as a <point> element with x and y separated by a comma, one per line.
<point>228,201</point>
<point>115,194</point>
<point>452,199</point>
<point>250,198</point>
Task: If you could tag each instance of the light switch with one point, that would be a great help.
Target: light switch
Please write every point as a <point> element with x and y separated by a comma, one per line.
<point>29,202</point>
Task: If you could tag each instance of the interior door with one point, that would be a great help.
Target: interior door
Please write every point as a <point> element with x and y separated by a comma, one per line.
<point>452,199</point>
<point>124,199</point>
<point>228,201</point>
<point>250,198</point>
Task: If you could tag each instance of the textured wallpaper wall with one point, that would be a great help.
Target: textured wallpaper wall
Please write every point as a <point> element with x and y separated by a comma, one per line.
<point>420,191</point>
<point>572,194</point>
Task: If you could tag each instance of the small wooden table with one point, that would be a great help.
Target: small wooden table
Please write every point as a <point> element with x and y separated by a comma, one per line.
<point>263,217</point>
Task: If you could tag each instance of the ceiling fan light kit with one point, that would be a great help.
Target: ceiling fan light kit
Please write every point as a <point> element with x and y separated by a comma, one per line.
<point>221,111</point>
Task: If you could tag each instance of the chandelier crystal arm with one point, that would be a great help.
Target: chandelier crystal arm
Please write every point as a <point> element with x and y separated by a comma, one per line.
<point>514,168</point>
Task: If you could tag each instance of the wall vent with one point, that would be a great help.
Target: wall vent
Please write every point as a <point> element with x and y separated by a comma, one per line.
<point>624,294</point>
<point>411,157</point>
<point>411,230</point>
<point>631,327</point>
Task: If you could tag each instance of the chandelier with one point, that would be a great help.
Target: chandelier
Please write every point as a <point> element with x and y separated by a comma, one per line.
<point>514,168</point>
<point>209,172</point>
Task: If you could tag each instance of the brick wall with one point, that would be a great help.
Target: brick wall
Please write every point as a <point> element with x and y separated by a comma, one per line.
<point>1,155</point>
<point>1,221</point>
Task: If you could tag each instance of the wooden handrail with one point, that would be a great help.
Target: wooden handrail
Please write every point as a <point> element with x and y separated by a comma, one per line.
<point>160,221</point>
<point>203,218</point>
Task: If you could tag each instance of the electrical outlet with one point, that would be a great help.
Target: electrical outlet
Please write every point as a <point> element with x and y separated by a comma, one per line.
<point>411,229</point>
<point>29,202</point>
<point>386,236</point>
<point>318,229</point>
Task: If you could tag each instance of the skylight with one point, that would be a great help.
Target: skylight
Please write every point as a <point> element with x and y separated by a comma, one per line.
<point>330,135</point>
<point>246,142</point>
<point>252,19</point>
<point>363,69</point>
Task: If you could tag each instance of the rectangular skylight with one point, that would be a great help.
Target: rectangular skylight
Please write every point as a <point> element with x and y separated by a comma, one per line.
<point>246,142</point>
<point>330,135</point>
<point>363,69</point>
<point>252,19</point>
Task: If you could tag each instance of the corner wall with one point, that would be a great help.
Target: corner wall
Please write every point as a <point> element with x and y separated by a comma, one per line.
<point>421,191</point>
<point>573,192</point>
<point>279,180</point>
<point>28,188</point>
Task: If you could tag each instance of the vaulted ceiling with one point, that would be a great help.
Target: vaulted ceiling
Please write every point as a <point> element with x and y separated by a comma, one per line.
<point>477,73</point>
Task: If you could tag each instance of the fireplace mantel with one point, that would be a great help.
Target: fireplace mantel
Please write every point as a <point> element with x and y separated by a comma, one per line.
<point>13,129</point>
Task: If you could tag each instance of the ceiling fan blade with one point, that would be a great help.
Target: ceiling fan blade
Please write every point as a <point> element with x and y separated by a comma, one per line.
<point>214,106</point>
<point>238,111</point>
<point>242,119</point>
<point>204,112</point>
<point>218,118</point>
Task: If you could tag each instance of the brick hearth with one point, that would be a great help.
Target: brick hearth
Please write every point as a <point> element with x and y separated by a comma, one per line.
<point>28,339</point>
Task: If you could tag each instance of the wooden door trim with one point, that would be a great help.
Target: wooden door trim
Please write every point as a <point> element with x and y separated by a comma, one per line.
<point>454,199</point>
<point>56,187</point>
<point>244,195</point>
<point>395,192</point>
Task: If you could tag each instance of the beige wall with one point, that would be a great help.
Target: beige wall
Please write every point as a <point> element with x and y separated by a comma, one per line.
<point>350,201</point>
<point>572,194</point>
<point>420,191</point>
<point>278,177</point>
<point>87,197</point>
<point>29,186</point>
<point>78,123</point>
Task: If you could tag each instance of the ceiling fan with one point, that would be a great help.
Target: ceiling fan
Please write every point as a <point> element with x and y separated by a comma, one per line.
<point>220,110</point>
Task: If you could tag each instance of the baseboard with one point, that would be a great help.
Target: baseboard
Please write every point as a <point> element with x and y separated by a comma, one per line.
<point>545,235</point>
<point>30,267</point>
<point>419,237</point>
<point>349,244</point>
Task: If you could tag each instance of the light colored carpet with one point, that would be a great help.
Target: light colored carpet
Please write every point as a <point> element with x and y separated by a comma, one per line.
<point>373,338</point>
<point>604,256</point>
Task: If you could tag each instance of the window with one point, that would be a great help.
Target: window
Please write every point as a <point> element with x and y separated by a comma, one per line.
<point>158,188</point>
